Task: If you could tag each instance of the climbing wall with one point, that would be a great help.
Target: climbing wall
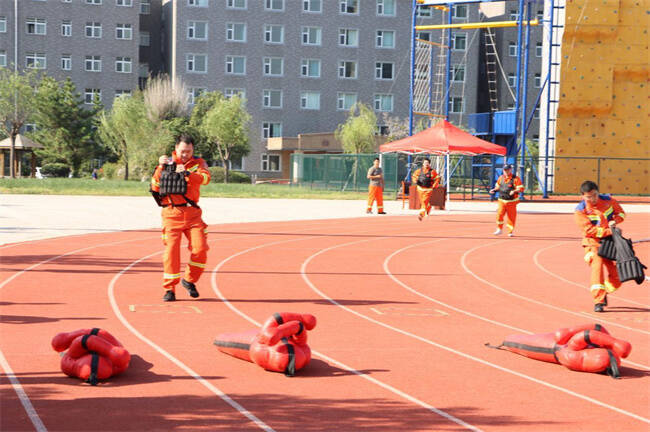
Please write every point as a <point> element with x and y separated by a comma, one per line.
<point>604,109</point>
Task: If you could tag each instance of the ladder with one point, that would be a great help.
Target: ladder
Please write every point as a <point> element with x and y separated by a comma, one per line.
<point>491,68</point>
<point>438,98</point>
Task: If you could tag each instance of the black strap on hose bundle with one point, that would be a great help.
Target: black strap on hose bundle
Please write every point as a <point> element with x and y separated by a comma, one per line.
<point>94,362</point>
<point>290,370</point>
<point>613,370</point>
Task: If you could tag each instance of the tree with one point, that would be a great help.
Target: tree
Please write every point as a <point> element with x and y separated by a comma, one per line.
<point>65,126</point>
<point>397,128</point>
<point>225,126</point>
<point>165,98</point>
<point>17,105</point>
<point>357,134</point>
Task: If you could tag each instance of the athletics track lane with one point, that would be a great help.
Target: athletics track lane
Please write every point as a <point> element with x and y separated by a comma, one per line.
<point>268,280</point>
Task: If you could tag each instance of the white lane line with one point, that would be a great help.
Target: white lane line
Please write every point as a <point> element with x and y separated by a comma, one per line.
<point>451,350</point>
<point>323,356</point>
<point>557,276</point>
<point>528,299</point>
<point>180,364</point>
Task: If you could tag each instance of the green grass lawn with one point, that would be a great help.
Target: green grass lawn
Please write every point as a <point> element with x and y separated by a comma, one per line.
<point>67,186</point>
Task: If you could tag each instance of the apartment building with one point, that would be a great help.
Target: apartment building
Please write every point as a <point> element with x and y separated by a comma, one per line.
<point>93,42</point>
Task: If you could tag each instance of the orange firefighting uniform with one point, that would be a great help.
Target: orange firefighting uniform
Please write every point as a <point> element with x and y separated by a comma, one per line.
<point>508,205</point>
<point>594,223</point>
<point>180,218</point>
<point>424,192</point>
<point>375,192</point>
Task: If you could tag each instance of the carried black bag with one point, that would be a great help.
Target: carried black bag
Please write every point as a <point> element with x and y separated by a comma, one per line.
<point>627,264</point>
<point>171,183</point>
<point>506,188</point>
<point>607,248</point>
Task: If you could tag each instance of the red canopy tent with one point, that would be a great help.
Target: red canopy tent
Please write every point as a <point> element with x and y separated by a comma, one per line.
<point>443,138</point>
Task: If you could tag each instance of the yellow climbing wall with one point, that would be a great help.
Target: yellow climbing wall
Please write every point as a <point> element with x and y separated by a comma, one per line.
<point>604,109</point>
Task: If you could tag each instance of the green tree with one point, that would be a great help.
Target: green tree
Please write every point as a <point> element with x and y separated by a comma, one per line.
<point>65,126</point>
<point>17,105</point>
<point>225,127</point>
<point>357,134</point>
<point>202,105</point>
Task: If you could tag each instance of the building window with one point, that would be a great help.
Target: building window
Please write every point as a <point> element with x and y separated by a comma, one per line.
<point>236,4</point>
<point>271,130</point>
<point>311,35</point>
<point>3,58</point>
<point>457,73</point>
<point>514,16</point>
<point>123,31</point>
<point>459,11</point>
<point>93,64</point>
<point>273,66</point>
<point>145,7</point>
<point>36,26</point>
<point>93,30</point>
<point>384,102</point>
<point>197,3</point>
<point>94,2</point>
<point>90,94</point>
<point>423,12</point>
<point>270,162</point>
<point>143,70</point>
<point>235,32</point>
<point>310,100</point>
<point>230,92</point>
<point>347,69</point>
<point>123,65</point>
<point>386,7</point>
<point>314,6</point>
<point>66,1</point>
<point>538,80</point>
<point>35,61</point>
<point>66,62</point>
<point>536,113</point>
<point>385,39</point>
<point>512,49</point>
<point>197,30</point>
<point>384,70</point>
<point>349,6</point>
<point>348,37</point>
<point>511,80</point>
<point>193,93</point>
<point>122,93</point>
<point>538,49</point>
<point>273,34</point>
<point>197,63</point>
<point>66,28</point>
<point>235,65</point>
<point>344,101</point>
<point>127,3</point>
<point>272,98</point>
<point>540,14</point>
<point>459,41</point>
<point>3,24</point>
<point>145,38</point>
<point>310,68</point>
<point>456,104</point>
<point>274,5</point>
<point>423,35</point>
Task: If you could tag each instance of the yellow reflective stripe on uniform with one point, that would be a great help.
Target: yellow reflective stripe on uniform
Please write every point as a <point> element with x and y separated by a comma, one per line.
<point>154,182</point>
<point>195,264</point>
<point>597,287</point>
<point>194,168</point>
<point>621,215</point>
<point>588,256</point>
<point>205,231</point>
<point>520,187</point>
<point>171,276</point>
<point>206,179</point>
<point>599,231</point>
<point>593,217</point>
<point>609,211</point>
<point>163,236</point>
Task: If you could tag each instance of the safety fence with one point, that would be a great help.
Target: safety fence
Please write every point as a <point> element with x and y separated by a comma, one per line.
<point>473,176</point>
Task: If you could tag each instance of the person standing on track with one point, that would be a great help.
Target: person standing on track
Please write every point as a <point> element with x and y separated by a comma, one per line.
<point>426,179</point>
<point>596,215</point>
<point>376,187</point>
<point>509,187</point>
<point>181,215</point>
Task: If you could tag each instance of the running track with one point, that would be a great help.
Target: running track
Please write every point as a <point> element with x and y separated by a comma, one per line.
<point>404,309</point>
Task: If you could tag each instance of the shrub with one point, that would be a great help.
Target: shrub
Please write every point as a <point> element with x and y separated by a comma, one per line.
<point>55,169</point>
<point>218,175</point>
<point>109,170</point>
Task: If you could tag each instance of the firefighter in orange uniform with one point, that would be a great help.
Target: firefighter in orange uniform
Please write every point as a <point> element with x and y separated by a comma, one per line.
<point>427,179</point>
<point>376,187</point>
<point>509,187</point>
<point>182,216</point>
<point>596,215</point>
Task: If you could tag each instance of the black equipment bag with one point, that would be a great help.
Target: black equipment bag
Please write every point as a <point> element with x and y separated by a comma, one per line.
<point>607,248</point>
<point>627,264</point>
<point>172,183</point>
<point>506,188</point>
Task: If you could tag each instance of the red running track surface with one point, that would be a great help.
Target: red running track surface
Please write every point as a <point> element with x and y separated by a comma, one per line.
<point>404,309</point>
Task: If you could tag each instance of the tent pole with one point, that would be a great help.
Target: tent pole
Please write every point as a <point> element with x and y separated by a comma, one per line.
<point>448,178</point>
